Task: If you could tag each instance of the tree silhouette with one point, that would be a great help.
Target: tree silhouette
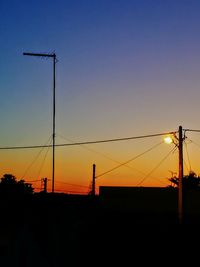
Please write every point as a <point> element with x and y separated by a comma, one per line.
<point>8,179</point>
<point>190,181</point>
<point>9,185</point>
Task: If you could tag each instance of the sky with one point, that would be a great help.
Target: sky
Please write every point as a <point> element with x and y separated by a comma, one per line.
<point>125,68</point>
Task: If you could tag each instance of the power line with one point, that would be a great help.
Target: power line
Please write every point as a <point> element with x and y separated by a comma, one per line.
<point>72,184</point>
<point>103,155</point>
<point>69,191</point>
<point>122,164</point>
<point>34,181</point>
<point>34,160</point>
<point>43,162</point>
<point>185,165</point>
<point>186,148</point>
<point>89,142</point>
<point>194,143</point>
<point>158,165</point>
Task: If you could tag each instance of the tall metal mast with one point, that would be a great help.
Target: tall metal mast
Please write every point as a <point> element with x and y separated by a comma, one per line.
<point>54,112</point>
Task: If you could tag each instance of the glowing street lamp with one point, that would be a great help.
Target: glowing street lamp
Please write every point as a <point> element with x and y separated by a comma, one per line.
<point>168,140</point>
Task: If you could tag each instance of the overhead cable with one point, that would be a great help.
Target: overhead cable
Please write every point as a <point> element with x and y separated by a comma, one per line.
<point>103,155</point>
<point>71,184</point>
<point>128,161</point>
<point>158,165</point>
<point>186,149</point>
<point>37,156</point>
<point>88,142</point>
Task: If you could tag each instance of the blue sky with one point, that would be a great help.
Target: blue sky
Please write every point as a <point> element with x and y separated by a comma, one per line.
<point>124,68</point>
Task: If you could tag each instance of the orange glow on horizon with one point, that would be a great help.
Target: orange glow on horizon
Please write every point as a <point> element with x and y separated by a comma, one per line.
<point>124,164</point>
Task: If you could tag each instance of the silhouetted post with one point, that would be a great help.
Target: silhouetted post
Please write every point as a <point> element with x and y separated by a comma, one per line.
<point>180,184</point>
<point>44,180</point>
<point>93,179</point>
<point>54,113</point>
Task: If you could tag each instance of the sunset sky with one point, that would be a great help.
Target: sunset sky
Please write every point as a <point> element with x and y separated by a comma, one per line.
<point>125,68</point>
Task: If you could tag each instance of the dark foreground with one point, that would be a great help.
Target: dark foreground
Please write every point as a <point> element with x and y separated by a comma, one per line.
<point>63,231</point>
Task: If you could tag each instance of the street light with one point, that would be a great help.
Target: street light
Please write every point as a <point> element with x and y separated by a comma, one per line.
<point>168,140</point>
<point>53,56</point>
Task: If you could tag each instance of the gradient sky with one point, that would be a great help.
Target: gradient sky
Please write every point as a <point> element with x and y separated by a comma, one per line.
<point>125,68</point>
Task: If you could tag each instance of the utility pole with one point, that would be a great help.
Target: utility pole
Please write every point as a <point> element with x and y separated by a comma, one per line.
<point>93,179</point>
<point>54,112</point>
<point>180,184</point>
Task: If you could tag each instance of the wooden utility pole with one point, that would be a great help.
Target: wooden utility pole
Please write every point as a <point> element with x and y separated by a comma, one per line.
<point>180,184</point>
<point>93,179</point>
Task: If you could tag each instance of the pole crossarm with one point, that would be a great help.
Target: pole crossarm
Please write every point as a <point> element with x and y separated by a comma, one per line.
<point>39,54</point>
<point>191,130</point>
